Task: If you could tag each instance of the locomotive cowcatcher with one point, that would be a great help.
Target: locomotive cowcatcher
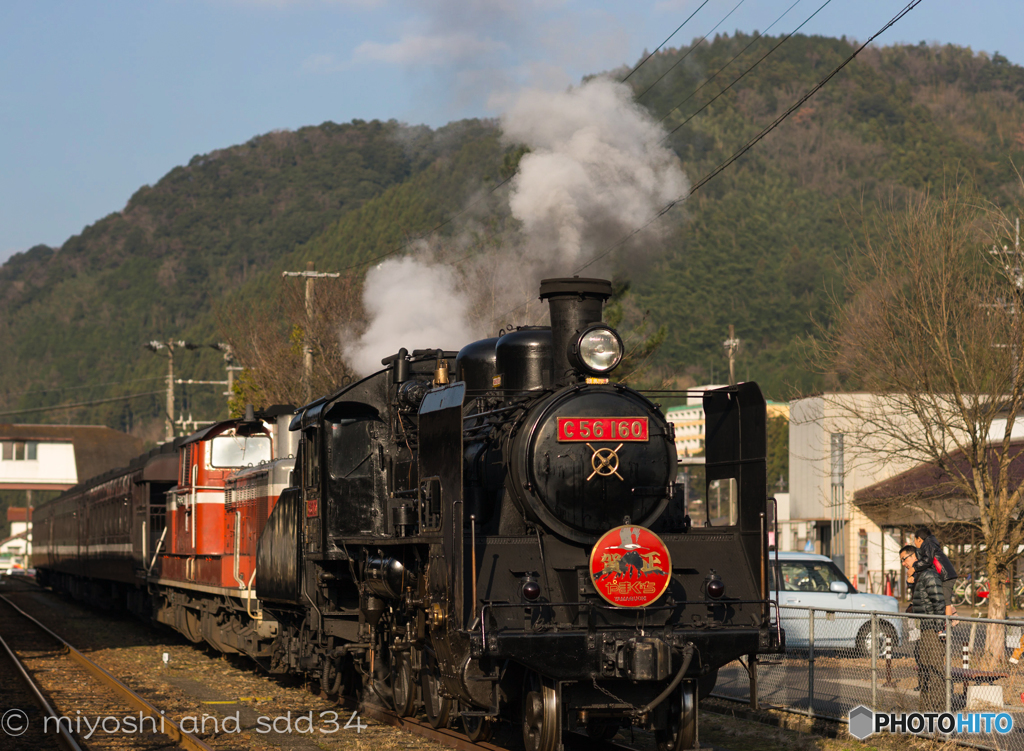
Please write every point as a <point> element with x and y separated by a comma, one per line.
<point>508,540</point>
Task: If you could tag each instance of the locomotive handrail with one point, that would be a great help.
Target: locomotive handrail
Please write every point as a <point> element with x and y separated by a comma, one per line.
<point>156,552</point>
<point>248,599</point>
<point>499,410</point>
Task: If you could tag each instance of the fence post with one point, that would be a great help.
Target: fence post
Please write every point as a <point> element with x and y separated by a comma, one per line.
<point>888,663</point>
<point>752,669</point>
<point>949,665</point>
<point>874,660</point>
<point>810,662</point>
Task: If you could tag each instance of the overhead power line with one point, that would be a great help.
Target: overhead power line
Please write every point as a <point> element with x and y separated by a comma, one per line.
<point>714,75</point>
<point>757,138</point>
<point>741,75</point>
<point>680,26</point>
<point>692,48</point>
<point>79,388</point>
<point>93,403</point>
<point>738,153</point>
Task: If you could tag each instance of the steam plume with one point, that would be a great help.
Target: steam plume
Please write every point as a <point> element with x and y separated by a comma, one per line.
<point>596,170</point>
<point>597,166</point>
<point>410,304</point>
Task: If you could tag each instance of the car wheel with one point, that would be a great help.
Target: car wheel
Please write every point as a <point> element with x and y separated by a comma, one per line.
<point>864,645</point>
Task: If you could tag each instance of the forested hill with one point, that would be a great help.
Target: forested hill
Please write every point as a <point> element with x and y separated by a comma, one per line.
<point>757,247</point>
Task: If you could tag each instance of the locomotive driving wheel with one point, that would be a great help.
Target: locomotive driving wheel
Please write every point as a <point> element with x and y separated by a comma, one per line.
<point>403,688</point>
<point>681,733</point>
<point>435,706</point>
<point>478,728</point>
<point>541,714</point>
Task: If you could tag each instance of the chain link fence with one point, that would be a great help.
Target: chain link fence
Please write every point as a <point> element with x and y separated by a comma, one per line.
<point>889,662</point>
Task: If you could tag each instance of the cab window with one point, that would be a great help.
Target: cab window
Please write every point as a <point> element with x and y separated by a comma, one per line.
<point>239,450</point>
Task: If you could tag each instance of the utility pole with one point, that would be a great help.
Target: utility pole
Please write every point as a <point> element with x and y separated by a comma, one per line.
<point>310,275</point>
<point>169,345</point>
<point>731,345</point>
<point>1013,268</point>
<point>155,346</point>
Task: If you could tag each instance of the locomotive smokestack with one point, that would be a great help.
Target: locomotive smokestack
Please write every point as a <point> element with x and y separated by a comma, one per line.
<point>575,303</point>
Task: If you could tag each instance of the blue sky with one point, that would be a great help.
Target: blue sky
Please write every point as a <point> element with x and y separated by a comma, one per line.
<point>99,98</point>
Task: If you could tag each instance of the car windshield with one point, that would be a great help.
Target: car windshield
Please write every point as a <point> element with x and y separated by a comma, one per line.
<point>239,450</point>
<point>810,576</point>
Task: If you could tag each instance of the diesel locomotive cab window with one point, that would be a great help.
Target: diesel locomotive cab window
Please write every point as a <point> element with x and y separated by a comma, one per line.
<point>239,450</point>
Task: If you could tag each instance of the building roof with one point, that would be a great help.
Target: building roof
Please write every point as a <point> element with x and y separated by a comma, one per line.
<point>926,493</point>
<point>19,536</point>
<point>97,447</point>
<point>19,514</point>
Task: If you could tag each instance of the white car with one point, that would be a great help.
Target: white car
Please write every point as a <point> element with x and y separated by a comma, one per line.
<point>808,580</point>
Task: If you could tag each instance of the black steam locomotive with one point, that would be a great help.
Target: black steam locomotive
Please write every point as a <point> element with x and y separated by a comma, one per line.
<point>509,540</point>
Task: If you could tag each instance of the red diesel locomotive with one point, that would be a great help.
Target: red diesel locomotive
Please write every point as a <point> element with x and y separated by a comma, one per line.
<point>173,536</point>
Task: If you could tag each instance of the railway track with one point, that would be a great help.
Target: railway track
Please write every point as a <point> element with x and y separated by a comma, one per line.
<point>56,662</point>
<point>455,739</point>
<point>68,699</point>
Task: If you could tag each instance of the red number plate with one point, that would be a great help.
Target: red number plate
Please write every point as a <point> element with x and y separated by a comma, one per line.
<point>602,428</point>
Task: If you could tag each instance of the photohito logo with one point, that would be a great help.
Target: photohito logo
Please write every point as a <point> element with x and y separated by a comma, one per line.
<point>865,722</point>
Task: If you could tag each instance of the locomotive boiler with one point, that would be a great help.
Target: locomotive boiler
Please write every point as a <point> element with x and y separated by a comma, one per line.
<point>497,533</point>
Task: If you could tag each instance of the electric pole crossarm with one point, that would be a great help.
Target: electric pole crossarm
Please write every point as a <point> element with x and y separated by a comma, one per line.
<point>170,345</point>
<point>312,274</point>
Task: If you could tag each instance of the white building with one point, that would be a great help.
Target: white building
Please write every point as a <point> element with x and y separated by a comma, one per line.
<point>836,462</point>
<point>58,457</point>
<point>16,548</point>
<point>51,458</point>
<point>688,421</point>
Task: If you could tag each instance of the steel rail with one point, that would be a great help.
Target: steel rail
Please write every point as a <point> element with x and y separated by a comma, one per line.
<point>453,738</point>
<point>167,726</point>
<point>64,736</point>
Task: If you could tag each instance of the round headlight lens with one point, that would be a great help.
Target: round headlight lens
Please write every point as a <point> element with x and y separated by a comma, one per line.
<point>600,349</point>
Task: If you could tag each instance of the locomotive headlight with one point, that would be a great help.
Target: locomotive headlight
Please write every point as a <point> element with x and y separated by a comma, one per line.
<point>597,350</point>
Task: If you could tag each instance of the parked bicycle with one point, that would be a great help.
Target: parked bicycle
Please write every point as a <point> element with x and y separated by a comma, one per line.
<point>973,590</point>
<point>970,590</point>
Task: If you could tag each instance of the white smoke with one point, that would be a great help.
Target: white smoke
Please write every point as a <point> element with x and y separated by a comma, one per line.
<point>409,304</point>
<point>596,170</point>
<point>597,167</point>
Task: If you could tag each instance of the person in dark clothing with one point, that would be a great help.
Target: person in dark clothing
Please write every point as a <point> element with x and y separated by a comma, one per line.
<point>928,600</point>
<point>930,552</point>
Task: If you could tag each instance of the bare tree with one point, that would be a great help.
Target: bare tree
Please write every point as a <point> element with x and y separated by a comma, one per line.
<point>933,331</point>
<point>268,341</point>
